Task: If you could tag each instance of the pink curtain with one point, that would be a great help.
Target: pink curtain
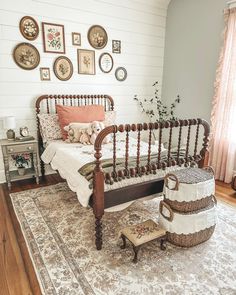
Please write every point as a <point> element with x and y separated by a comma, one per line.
<point>223,117</point>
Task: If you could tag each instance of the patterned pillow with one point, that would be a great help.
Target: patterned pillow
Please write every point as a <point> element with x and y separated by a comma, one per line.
<point>49,127</point>
<point>110,118</point>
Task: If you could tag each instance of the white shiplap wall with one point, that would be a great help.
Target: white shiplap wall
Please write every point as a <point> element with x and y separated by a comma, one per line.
<point>139,24</point>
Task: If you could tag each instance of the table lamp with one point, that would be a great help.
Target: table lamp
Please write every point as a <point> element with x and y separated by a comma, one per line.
<point>9,123</point>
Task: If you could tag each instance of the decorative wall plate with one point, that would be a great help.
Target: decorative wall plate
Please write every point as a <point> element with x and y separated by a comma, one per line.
<point>63,68</point>
<point>121,74</point>
<point>29,28</point>
<point>26,56</point>
<point>97,37</point>
<point>105,62</point>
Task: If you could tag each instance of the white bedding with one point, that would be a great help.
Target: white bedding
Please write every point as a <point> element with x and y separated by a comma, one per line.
<point>67,158</point>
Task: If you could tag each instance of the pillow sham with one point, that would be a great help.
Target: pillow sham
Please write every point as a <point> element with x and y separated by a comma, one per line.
<point>110,118</point>
<point>82,114</point>
<point>49,127</point>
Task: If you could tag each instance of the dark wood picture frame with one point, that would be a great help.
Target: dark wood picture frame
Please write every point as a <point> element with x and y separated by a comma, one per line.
<point>21,64</point>
<point>21,26</point>
<point>41,74</point>
<point>44,38</point>
<point>80,64</point>
<point>94,43</point>
<point>101,65</point>
<point>116,46</point>
<point>56,72</point>
<point>73,38</point>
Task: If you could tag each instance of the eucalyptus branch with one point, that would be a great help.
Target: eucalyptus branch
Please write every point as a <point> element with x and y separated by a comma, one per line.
<point>155,109</point>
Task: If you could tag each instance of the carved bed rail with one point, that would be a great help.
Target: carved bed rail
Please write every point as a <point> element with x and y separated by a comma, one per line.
<point>192,154</point>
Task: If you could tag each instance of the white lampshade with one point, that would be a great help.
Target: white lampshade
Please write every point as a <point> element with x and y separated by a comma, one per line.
<point>9,122</point>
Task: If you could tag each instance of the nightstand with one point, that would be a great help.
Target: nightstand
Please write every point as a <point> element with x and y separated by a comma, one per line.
<point>10,148</point>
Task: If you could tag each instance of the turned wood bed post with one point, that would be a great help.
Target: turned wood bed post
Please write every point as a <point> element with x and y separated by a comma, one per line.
<point>204,153</point>
<point>98,186</point>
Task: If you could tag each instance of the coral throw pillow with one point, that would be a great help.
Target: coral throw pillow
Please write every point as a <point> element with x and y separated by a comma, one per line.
<point>82,114</point>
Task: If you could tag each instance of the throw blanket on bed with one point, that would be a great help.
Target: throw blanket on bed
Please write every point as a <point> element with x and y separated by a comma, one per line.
<point>107,164</point>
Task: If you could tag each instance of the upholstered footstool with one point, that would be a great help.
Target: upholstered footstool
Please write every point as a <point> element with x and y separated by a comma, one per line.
<point>142,233</point>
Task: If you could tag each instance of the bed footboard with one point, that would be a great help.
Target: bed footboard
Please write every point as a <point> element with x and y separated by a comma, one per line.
<point>195,133</point>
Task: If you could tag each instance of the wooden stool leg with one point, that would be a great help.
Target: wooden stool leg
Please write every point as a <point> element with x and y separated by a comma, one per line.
<point>163,243</point>
<point>124,242</point>
<point>136,250</point>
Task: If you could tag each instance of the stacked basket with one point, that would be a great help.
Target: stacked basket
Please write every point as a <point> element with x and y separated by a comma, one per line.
<point>188,212</point>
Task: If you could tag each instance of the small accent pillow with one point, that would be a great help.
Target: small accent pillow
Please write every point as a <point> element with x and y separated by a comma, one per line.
<point>82,114</point>
<point>49,127</point>
<point>110,118</point>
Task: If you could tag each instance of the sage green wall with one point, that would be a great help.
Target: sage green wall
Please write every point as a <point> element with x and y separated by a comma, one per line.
<point>192,47</point>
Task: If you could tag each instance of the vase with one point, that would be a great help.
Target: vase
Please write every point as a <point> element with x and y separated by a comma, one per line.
<point>21,171</point>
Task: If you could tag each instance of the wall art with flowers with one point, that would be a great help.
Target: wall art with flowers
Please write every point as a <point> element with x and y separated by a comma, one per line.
<point>53,38</point>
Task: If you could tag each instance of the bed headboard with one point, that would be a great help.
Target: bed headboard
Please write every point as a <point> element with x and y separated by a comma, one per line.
<point>47,104</point>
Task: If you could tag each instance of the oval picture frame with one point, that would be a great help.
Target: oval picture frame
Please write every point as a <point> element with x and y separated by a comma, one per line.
<point>26,56</point>
<point>63,68</point>
<point>29,28</point>
<point>97,37</point>
<point>121,74</point>
<point>106,62</point>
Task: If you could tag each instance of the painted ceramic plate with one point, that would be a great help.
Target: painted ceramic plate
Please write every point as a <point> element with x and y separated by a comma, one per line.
<point>26,56</point>
<point>97,37</point>
<point>63,68</point>
<point>29,28</point>
<point>121,74</point>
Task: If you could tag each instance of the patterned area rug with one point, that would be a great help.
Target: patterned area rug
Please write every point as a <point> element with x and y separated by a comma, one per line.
<point>59,234</point>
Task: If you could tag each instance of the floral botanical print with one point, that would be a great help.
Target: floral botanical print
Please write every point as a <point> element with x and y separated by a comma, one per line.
<point>53,38</point>
<point>58,232</point>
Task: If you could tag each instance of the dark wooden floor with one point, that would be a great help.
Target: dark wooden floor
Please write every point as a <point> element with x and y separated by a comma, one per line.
<point>17,276</point>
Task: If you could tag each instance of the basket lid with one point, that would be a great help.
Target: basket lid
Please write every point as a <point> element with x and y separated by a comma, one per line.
<point>192,175</point>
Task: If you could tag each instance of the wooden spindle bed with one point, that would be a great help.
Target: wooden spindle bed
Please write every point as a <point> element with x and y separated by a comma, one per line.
<point>101,199</point>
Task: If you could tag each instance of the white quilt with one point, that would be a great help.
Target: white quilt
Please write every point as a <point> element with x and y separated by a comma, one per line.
<point>67,158</point>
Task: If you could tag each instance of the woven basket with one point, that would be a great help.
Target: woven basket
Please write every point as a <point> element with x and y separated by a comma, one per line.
<point>190,240</point>
<point>192,205</point>
<point>183,200</point>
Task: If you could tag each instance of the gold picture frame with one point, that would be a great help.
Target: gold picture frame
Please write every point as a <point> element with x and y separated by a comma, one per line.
<point>86,62</point>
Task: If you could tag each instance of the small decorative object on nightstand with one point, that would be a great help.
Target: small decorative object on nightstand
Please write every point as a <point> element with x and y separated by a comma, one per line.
<point>14,148</point>
<point>10,124</point>
<point>142,233</point>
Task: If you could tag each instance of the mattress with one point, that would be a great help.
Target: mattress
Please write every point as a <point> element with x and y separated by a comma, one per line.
<point>68,158</point>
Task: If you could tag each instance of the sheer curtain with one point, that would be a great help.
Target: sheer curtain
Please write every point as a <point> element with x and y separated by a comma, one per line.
<point>223,117</point>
